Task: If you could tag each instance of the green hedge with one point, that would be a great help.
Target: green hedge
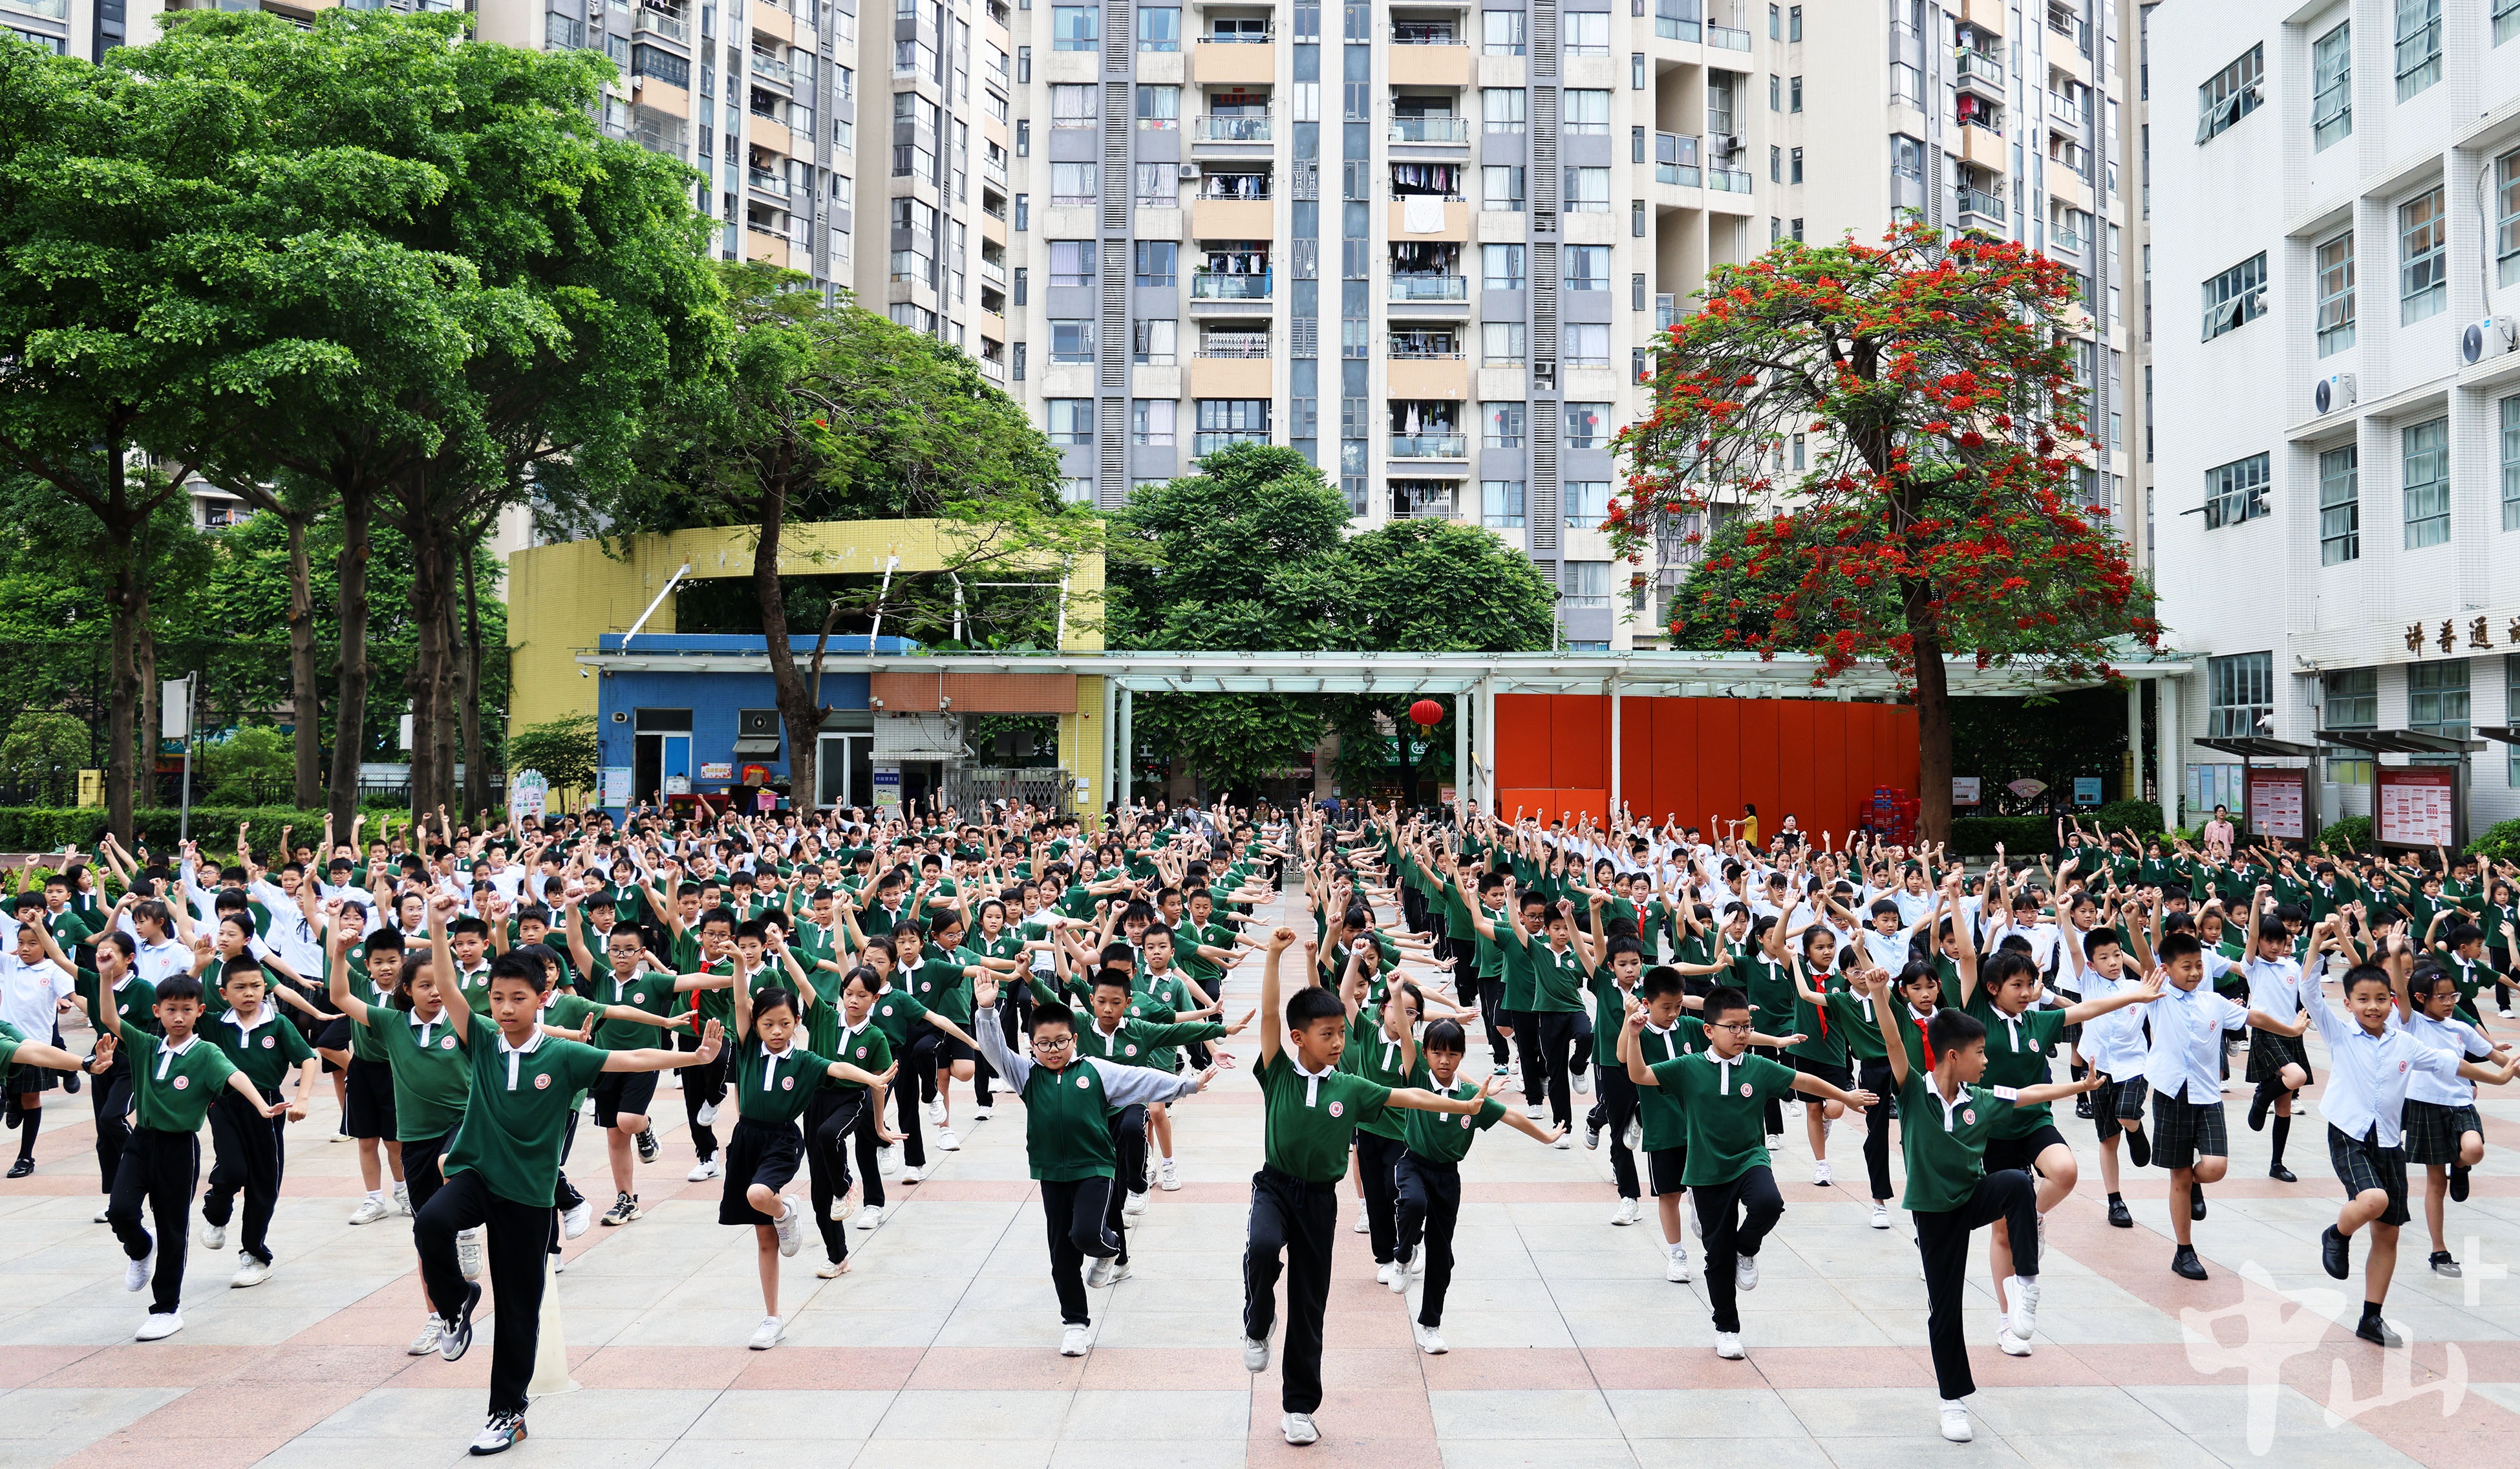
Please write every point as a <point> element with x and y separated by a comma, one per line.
<point>2021,836</point>
<point>2141,817</point>
<point>2354,834</point>
<point>39,829</point>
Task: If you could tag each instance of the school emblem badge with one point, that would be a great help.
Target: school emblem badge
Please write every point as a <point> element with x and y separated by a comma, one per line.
<point>446,1042</point>
<point>1083,1084</point>
<point>1337,1108</point>
<point>1465,1119</point>
<point>183,1083</point>
<point>786,1083</point>
<point>888,1009</point>
<point>1745,1089</point>
<point>1968,1116</point>
<point>543,1083</point>
<point>638,998</point>
<point>861,1053</point>
<point>1128,1050</point>
<point>269,1041</point>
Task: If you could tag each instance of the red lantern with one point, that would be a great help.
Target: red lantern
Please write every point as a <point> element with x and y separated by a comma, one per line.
<point>1428,712</point>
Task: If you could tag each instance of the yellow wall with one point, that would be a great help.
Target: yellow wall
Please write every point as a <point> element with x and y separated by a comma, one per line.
<point>561,599</point>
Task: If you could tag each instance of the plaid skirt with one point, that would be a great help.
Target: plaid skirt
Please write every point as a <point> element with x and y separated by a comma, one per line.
<point>2183,1131</point>
<point>2363,1166</point>
<point>2432,1130</point>
<point>2270,1053</point>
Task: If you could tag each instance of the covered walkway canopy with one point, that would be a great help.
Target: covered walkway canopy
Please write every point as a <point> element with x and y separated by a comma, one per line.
<point>1476,678</point>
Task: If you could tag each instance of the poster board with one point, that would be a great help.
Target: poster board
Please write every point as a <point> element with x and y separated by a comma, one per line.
<point>1966,790</point>
<point>2278,802</point>
<point>2418,805</point>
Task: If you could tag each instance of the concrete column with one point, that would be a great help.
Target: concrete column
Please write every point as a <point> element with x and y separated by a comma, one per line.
<point>1488,792</point>
<point>1464,797</point>
<point>2166,762</point>
<point>1614,754</point>
<point>2134,783</point>
<point>1128,745</point>
<point>1102,788</point>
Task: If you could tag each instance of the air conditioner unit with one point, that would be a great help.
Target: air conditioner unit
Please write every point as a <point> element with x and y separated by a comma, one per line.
<point>2490,338</point>
<point>1728,144</point>
<point>2333,391</point>
<point>636,83</point>
<point>1190,170</point>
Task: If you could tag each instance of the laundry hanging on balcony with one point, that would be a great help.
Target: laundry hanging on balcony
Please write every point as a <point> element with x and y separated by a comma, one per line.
<point>1422,215</point>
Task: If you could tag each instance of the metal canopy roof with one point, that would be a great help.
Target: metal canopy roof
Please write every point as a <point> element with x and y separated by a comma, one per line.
<point>1695,675</point>
<point>2399,741</point>
<point>2505,733</point>
<point>2258,748</point>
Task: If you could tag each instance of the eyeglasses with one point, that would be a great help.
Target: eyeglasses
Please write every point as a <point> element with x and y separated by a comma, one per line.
<point>1052,1042</point>
<point>1738,1026</point>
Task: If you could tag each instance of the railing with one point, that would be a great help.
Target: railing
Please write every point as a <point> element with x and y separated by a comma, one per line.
<point>1429,446</point>
<point>1667,312</point>
<point>1245,197</point>
<point>1676,158</point>
<point>1977,66</point>
<point>2063,107</point>
<point>993,271</point>
<point>994,170</point>
<point>1241,37</point>
<point>1213,128</point>
<point>2062,20</point>
<point>1679,19</point>
<point>2063,236</point>
<point>1728,40</point>
<point>1986,122</point>
<point>2068,154</point>
<point>776,71</point>
<point>1418,504</point>
<point>766,182</point>
<point>1728,180</point>
<point>657,23</point>
<point>1072,201</point>
<point>1430,129</point>
<point>1422,350</point>
<point>1244,345</point>
<point>993,370</point>
<point>1979,202</point>
<point>1435,288</point>
<point>1424,33</point>
<point>1218,286</point>
<point>1204,445</point>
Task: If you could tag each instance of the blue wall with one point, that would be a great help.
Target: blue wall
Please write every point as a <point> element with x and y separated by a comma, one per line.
<point>712,698</point>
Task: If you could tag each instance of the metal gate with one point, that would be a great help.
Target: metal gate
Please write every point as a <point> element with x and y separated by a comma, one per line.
<point>969,788</point>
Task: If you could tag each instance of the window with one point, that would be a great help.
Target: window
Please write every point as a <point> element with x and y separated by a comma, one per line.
<point>1076,28</point>
<point>662,65</point>
<point>1501,342</point>
<point>1076,490</point>
<point>1587,582</point>
<point>1501,426</point>
<point>1071,420</point>
<point>1794,95</point>
<point>1587,344</point>
<point>1500,266</point>
<point>2424,453</point>
<point>1793,22</point>
<point>1223,420</point>
<point>1072,184</point>
<point>1159,186</point>
<point>2506,211</point>
<point>1505,107</point>
<point>1075,106</point>
<point>1776,93</point>
<point>2236,492</point>
<point>1159,108</point>
<point>1500,500</point>
<point>2331,87</point>
<point>1502,35</point>
<point>2437,699</point>
<point>2423,258</point>
<point>560,32</point>
<point>1776,164</point>
<point>1159,28</point>
<point>2420,46</point>
<point>2241,690</point>
<point>1588,189</point>
<point>1071,262</point>
<point>2506,25</point>
<point>1585,33</point>
<point>1588,267</point>
<point>2231,95</point>
<point>2349,698</point>
<point>1794,175</point>
<point>2511,410</point>
<point>2236,297</point>
<point>1587,427</point>
<point>1501,184</point>
<point>1153,344</point>
<point>2336,293</point>
<point>1587,111</point>
<point>1072,339</point>
<point>1151,421</point>
<point>2340,506</point>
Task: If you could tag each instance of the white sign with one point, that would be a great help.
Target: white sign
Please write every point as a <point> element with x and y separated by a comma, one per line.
<point>174,709</point>
<point>613,781</point>
<point>887,788</point>
<point>2275,804</point>
<point>1965,790</point>
<point>2418,805</point>
<point>527,795</point>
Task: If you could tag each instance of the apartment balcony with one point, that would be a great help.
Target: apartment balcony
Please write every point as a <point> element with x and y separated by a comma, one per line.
<point>1429,446</point>
<point>1981,144</point>
<point>1204,445</point>
<point>994,170</point>
<point>1978,209</point>
<point>761,181</point>
<point>1725,37</point>
<point>1426,499</point>
<point>1433,218</point>
<point>1677,160</point>
<point>993,370</point>
<point>764,247</point>
<point>1729,180</point>
<point>1428,375</point>
<point>1250,218</point>
<point>1668,312</point>
<point>993,271</point>
<point>1455,132</point>
<point>1247,60</point>
<point>2064,110</point>
<point>1429,289</point>
<point>658,23</point>
<point>1680,19</point>
<point>1231,365</point>
<point>1223,288</point>
<point>1252,129</point>
<point>1428,54</point>
<point>774,20</point>
<point>767,69</point>
<point>1980,74</point>
<point>1988,16</point>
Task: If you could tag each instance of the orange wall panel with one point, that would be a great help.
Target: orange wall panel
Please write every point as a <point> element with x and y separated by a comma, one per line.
<point>1523,744</point>
<point>1579,728</point>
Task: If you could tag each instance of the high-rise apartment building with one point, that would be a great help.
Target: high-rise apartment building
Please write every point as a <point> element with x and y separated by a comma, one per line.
<point>2339,418</point>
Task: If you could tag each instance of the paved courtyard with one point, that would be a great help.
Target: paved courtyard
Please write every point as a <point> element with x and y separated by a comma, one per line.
<point>1569,1350</point>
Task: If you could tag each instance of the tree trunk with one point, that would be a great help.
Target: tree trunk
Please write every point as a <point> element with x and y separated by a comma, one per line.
<point>477,796</point>
<point>1933,724</point>
<point>144,652</point>
<point>350,676</point>
<point>804,721</point>
<point>308,713</point>
<point>427,682</point>
<point>130,600</point>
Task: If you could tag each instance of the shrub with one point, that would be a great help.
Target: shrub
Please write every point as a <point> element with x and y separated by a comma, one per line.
<point>563,750</point>
<point>2354,834</point>
<point>40,829</point>
<point>2499,843</point>
<point>2141,817</point>
<point>2021,836</point>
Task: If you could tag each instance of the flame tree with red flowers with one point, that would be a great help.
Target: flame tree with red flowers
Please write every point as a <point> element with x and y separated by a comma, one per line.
<point>1932,380</point>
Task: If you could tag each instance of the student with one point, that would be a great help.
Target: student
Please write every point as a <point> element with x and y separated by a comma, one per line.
<point>897,1012</point>
<point>503,1159</point>
<point>36,984</point>
<point>2278,1063</point>
<point>1945,1121</point>
<point>114,987</point>
<point>845,1113</point>
<point>1309,1119</point>
<point>774,1080</point>
<point>1383,1048</point>
<point>2112,1044</point>
<point>1430,1176</point>
<point>374,967</point>
<point>252,1144</point>
<point>2369,1065</point>
<point>2443,1130</point>
<point>1723,1091</point>
<point>623,1095</point>
<point>1069,1100</point>
<point>176,1077</point>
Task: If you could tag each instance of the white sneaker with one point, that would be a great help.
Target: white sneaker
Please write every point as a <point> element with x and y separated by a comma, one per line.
<point>467,1253</point>
<point>767,1334</point>
<point>936,1111</point>
<point>790,1225</point>
<point>888,1159</point>
<point>402,1199</point>
<point>2011,1345</point>
<point>1745,1272</point>
<point>1564,1142</point>
<point>983,1113</point>
<point>249,1272</point>
<point>1299,1430</point>
<point>157,1327</point>
<point>1388,1271</point>
<point>371,1208</point>
<point>1881,1214</point>
<point>213,1236</point>
<point>425,1344</point>
<point>1625,1214</point>
<point>504,1431</point>
<point>1728,1346</point>
<point>832,1270</point>
<point>2023,1290</point>
<point>1675,1267</point>
<point>707,1115</point>
<point>1956,1423</point>
<point>1137,1204</point>
<point>1583,1080</point>
<point>1364,1221</point>
<point>1255,1355</point>
<point>1106,1272</point>
<point>1074,1340</point>
<point>913,1175</point>
<point>1168,1178</point>
<point>1635,1136</point>
<point>135,1272</point>
<point>870,1217</point>
<point>947,1142</point>
<point>843,1206</point>
<point>707,1168</point>
<point>1431,1341</point>
<point>1819,1171</point>
<point>575,1220</point>
<point>103,1215</point>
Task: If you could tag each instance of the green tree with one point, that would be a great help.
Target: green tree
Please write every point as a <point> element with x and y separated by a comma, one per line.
<point>245,766</point>
<point>563,750</point>
<point>42,753</point>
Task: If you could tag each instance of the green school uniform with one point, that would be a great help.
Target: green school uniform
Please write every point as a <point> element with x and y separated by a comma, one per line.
<point>1557,978</point>
<point>133,1004</point>
<point>11,1037</point>
<point>1609,1014</point>
<point>1823,1039</point>
<point>2017,1056</point>
<point>647,990</point>
<point>895,1012</point>
<point>1946,1147</point>
<point>518,1111</point>
<point>265,1053</point>
<point>1067,1124</point>
<point>1769,986</point>
<point>171,1090</point>
<point>432,1078</point>
<point>1375,1057</point>
<point>1666,1125</point>
<point>1726,1124</point>
<point>1166,999</point>
<point>939,983</point>
<point>866,1049</point>
<point>775,1089</point>
<point>1309,1123</point>
<point>1851,1015</point>
<point>1444,1137</point>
